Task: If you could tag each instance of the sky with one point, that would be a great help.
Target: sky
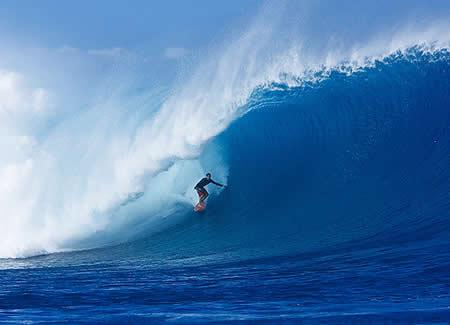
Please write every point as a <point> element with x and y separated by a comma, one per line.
<point>73,46</point>
<point>139,24</point>
<point>172,29</point>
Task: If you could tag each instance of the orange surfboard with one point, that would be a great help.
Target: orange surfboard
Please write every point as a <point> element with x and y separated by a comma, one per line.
<point>200,207</point>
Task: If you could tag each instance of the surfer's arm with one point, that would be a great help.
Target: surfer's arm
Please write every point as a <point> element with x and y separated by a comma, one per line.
<point>218,184</point>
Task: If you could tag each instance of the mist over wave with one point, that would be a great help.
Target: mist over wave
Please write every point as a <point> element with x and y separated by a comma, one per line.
<point>325,112</point>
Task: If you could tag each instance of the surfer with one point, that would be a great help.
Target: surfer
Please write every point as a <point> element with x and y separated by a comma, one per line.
<point>200,187</point>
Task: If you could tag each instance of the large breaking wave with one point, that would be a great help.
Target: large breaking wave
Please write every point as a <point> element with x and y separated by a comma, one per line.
<point>358,159</point>
<point>319,147</point>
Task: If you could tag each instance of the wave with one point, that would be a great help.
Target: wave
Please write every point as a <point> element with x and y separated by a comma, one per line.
<point>356,160</point>
<point>320,145</point>
<point>333,159</point>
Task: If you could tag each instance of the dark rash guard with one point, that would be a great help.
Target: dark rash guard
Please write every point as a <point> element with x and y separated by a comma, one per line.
<point>205,181</point>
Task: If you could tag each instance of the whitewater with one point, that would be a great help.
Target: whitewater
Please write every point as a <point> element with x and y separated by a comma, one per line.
<point>335,150</point>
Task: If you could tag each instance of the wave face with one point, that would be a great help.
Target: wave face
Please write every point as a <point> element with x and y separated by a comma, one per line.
<point>347,159</point>
<point>359,159</point>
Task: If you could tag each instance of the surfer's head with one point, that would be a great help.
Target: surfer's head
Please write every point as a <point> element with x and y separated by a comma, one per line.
<point>208,175</point>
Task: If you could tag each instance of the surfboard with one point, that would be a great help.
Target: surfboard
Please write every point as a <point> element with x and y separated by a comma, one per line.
<point>200,207</point>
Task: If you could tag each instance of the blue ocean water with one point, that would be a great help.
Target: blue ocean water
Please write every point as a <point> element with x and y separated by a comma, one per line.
<point>337,211</point>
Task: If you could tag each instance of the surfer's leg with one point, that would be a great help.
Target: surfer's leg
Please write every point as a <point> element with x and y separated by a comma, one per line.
<point>204,196</point>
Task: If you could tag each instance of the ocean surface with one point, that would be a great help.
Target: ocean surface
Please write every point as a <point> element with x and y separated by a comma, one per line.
<point>337,211</point>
